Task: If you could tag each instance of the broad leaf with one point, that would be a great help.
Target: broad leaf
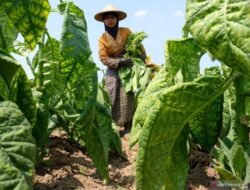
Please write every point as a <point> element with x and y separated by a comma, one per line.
<point>19,86</point>
<point>160,81</point>
<point>103,120</point>
<point>40,130</point>
<point>241,132</point>
<point>76,64</point>
<point>223,28</point>
<point>238,160</point>
<point>162,144</point>
<point>74,37</point>
<point>20,93</point>
<point>53,80</point>
<point>8,33</point>
<point>226,151</point>
<point>8,66</point>
<point>81,74</point>
<point>116,144</point>
<point>94,147</point>
<point>29,17</point>
<point>226,175</point>
<point>17,148</point>
<point>80,92</point>
<point>178,53</point>
<point>4,90</point>
<point>206,126</point>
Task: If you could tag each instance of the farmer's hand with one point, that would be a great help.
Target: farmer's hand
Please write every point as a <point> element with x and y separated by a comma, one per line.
<point>143,57</point>
<point>149,63</point>
<point>125,62</point>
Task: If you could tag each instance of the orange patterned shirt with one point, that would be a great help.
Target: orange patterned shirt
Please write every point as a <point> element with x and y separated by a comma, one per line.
<point>113,48</point>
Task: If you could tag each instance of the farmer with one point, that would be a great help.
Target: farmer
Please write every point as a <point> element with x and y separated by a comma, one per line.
<point>111,50</point>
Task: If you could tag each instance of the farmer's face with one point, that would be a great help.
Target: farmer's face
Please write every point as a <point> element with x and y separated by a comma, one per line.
<point>110,20</point>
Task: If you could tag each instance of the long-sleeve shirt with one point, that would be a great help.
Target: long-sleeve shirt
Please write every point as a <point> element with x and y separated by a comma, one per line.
<point>110,48</point>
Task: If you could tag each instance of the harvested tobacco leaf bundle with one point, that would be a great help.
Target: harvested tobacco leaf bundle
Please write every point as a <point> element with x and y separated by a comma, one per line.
<point>136,78</point>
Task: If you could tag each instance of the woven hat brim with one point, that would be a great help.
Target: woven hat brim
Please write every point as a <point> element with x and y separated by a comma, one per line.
<point>121,15</point>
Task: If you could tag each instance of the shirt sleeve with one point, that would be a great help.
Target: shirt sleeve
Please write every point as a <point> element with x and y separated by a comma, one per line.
<point>113,63</point>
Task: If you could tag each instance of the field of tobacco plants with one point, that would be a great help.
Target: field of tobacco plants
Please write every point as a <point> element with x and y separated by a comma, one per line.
<point>190,129</point>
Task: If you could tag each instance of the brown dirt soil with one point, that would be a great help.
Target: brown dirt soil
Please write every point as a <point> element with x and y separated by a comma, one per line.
<point>67,167</point>
<point>201,174</point>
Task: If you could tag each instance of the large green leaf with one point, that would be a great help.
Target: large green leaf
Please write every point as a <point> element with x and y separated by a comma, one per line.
<point>53,80</point>
<point>4,90</point>
<point>17,148</point>
<point>73,37</point>
<point>8,66</point>
<point>234,165</point>
<point>178,53</point>
<point>103,119</point>
<point>8,33</point>
<point>20,93</point>
<point>86,129</point>
<point>226,175</point>
<point>223,28</point>
<point>95,149</point>
<point>96,146</point>
<point>206,126</point>
<point>81,73</point>
<point>29,17</point>
<point>241,131</point>
<point>103,122</point>
<point>162,144</point>
<point>160,81</point>
<point>239,161</point>
<point>107,129</point>
<point>79,96</point>
<point>40,131</point>
<point>75,52</point>
<point>116,144</point>
<point>19,86</point>
<point>225,150</point>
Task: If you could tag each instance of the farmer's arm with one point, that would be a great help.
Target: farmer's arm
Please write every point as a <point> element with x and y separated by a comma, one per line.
<point>112,63</point>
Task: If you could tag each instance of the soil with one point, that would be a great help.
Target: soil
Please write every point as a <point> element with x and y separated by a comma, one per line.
<point>68,167</point>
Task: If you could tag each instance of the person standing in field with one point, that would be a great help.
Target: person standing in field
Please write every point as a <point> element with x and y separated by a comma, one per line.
<point>111,50</point>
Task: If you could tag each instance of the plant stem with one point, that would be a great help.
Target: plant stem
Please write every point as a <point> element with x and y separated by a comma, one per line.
<point>3,38</point>
<point>241,131</point>
<point>40,62</point>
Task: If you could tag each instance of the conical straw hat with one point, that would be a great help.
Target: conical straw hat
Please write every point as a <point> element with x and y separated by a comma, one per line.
<point>110,8</point>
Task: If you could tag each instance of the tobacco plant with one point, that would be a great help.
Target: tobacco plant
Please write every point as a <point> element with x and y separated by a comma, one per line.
<point>64,92</point>
<point>169,111</point>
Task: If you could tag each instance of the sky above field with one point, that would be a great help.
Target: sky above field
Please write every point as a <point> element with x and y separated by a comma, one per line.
<point>162,20</point>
